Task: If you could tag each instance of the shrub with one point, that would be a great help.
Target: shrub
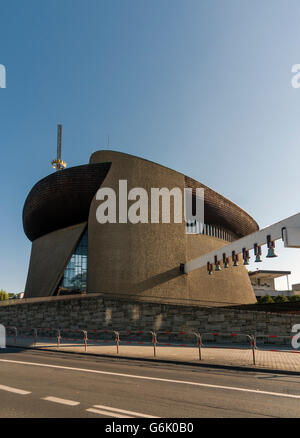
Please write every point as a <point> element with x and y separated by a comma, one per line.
<point>3,295</point>
<point>280,299</point>
<point>265,299</point>
<point>294,298</point>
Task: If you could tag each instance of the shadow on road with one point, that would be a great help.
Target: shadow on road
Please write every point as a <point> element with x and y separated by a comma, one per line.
<point>12,350</point>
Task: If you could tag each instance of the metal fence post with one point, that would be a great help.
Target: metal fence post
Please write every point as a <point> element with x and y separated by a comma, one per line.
<point>117,335</point>
<point>34,337</point>
<point>58,338</point>
<point>154,340</point>
<point>85,339</point>
<point>253,344</point>
<point>199,341</point>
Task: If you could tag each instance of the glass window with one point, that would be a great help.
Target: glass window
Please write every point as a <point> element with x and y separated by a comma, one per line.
<point>75,274</point>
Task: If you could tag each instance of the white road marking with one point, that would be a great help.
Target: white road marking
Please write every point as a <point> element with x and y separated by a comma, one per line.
<point>122,411</point>
<point>62,401</point>
<point>107,413</point>
<point>157,379</point>
<point>15,390</point>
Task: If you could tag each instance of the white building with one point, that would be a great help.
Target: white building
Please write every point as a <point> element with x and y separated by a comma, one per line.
<point>18,296</point>
<point>296,289</point>
<point>263,283</point>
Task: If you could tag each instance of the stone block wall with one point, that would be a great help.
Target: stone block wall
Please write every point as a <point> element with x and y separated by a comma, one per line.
<point>101,312</point>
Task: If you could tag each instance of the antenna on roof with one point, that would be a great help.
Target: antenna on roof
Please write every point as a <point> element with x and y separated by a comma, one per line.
<point>59,129</point>
<point>58,163</point>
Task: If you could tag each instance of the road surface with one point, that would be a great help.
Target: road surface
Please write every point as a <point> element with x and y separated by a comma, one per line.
<point>59,385</point>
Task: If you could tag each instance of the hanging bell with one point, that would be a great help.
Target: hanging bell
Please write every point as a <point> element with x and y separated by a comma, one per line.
<point>271,253</point>
<point>233,256</point>
<point>245,256</point>
<point>226,263</point>
<point>271,246</point>
<point>218,267</point>
<point>257,252</point>
<point>217,264</point>
<point>209,268</point>
<point>236,261</point>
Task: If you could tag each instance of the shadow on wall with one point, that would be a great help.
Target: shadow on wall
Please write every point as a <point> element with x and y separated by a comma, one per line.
<point>158,279</point>
<point>134,317</point>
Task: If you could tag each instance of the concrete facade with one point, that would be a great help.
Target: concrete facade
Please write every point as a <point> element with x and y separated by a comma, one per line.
<point>140,260</point>
<point>48,259</point>
<point>229,285</point>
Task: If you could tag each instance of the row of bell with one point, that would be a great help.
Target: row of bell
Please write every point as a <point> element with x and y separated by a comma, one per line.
<point>257,251</point>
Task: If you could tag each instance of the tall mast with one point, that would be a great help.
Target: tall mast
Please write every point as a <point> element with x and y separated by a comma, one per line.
<point>58,163</point>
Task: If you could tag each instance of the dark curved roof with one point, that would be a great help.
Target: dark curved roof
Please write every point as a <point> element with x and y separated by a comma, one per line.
<point>62,199</point>
<point>223,212</point>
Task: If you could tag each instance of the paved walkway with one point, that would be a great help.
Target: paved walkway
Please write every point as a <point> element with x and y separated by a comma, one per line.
<point>241,357</point>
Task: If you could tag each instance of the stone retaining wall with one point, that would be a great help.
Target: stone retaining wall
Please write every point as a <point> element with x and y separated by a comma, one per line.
<point>98,312</point>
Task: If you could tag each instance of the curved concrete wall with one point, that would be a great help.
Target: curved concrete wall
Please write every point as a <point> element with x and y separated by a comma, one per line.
<point>231,285</point>
<point>136,258</point>
<point>140,260</point>
<point>144,259</point>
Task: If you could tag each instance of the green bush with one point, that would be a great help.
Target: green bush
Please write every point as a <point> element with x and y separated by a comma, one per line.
<point>265,299</point>
<point>280,299</point>
<point>294,298</point>
<point>3,295</point>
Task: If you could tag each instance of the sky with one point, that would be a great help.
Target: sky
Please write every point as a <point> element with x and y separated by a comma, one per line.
<point>200,86</point>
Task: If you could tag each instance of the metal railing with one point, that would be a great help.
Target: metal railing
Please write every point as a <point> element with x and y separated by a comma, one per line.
<point>155,338</point>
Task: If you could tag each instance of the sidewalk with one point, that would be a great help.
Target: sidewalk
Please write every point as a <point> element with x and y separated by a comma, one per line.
<point>233,357</point>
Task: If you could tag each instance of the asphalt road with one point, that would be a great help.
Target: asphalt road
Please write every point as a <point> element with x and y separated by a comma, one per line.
<point>58,385</point>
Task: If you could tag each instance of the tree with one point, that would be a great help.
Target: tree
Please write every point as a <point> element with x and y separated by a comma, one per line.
<point>3,295</point>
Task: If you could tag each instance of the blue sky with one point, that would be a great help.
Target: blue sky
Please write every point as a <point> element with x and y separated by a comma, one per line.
<point>201,86</point>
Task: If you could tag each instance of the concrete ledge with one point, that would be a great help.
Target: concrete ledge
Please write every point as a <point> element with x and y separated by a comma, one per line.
<point>122,297</point>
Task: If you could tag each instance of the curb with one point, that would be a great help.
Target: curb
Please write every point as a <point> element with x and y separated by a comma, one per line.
<point>168,361</point>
